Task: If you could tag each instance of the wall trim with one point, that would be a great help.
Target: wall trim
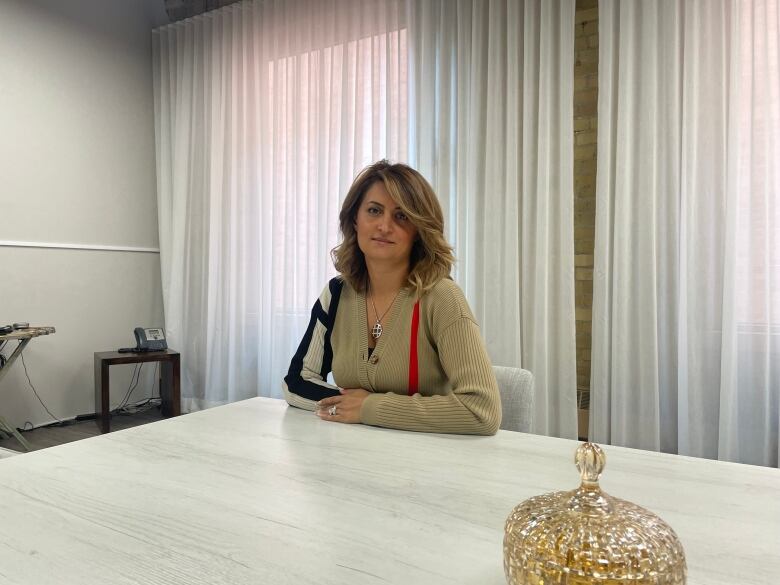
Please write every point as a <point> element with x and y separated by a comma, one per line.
<point>68,246</point>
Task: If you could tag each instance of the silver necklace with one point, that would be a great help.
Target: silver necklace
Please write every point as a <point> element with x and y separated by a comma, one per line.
<point>376,330</point>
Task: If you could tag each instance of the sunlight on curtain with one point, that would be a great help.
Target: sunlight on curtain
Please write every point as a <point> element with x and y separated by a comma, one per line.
<point>749,419</point>
<point>686,340</point>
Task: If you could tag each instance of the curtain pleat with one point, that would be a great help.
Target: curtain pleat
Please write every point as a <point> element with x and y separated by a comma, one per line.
<point>492,117</point>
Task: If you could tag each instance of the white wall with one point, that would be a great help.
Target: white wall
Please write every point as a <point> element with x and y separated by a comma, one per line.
<point>76,166</point>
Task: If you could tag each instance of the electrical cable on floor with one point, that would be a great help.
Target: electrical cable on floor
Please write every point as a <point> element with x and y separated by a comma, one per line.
<point>126,408</point>
<point>36,393</point>
<point>143,406</point>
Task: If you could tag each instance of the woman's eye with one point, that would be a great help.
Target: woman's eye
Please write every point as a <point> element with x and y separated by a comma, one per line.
<point>373,210</point>
<point>401,216</point>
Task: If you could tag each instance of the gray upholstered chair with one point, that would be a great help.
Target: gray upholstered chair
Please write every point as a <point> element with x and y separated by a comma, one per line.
<point>516,387</point>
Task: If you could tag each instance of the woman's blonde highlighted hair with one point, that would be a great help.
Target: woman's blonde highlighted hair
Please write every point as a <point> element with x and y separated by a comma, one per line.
<point>431,258</point>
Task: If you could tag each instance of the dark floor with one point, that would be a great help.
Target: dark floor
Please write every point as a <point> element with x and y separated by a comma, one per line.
<point>43,437</point>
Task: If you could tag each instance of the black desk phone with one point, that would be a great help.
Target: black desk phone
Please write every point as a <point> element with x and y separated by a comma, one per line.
<point>147,339</point>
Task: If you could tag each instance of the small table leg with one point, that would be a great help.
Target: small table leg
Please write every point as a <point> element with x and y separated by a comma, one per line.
<point>170,393</point>
<point>4,425</point>
<point>102,417</point>
<point>12,431</point>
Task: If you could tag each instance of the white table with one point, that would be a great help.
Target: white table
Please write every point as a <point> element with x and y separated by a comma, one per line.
<point>259,493</point>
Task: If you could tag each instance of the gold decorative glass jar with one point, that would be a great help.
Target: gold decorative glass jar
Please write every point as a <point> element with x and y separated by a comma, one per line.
<point>585,537</point>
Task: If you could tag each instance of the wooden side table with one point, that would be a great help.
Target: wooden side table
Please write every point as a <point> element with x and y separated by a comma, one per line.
<point>170,376</point>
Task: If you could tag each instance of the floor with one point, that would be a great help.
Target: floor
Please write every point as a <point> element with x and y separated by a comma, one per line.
<point>44,437</point>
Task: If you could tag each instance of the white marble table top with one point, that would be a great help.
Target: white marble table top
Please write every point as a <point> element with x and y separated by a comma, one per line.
<point>259,493</point>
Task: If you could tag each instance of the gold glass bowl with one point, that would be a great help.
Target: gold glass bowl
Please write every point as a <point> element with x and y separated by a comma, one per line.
<point>585,537</point>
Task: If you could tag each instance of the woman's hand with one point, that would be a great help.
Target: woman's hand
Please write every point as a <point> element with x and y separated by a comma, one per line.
<point>344,408</point>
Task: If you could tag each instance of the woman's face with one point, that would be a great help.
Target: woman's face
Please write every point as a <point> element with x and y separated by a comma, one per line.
<point>384,233</point>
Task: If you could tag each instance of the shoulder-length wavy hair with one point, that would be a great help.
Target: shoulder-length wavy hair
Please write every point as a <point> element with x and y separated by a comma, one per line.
<point>431,257</point>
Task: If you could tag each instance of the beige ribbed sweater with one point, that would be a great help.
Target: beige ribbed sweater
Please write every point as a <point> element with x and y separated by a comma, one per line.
<point>458,392</point>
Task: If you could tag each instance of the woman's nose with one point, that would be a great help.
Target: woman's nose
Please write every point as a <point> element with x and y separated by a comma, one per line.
<point>385,223</point>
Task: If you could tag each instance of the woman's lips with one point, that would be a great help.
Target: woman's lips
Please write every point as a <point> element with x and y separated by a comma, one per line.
<point>381,241</point>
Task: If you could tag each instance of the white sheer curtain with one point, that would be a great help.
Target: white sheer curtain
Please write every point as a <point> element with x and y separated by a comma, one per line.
<point>264,113</point>
<point>492,126</point>
<point>686,330</point>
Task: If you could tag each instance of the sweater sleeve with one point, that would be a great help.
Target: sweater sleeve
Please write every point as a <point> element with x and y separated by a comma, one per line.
<point>305,382</point>
<point>473,406</point>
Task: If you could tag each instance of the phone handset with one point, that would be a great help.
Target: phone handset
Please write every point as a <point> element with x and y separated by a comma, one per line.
<point>147,339</point>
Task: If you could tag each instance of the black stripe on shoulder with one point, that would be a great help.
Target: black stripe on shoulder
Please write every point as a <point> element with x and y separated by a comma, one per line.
<point>336,286</point>
<point>294,380</point>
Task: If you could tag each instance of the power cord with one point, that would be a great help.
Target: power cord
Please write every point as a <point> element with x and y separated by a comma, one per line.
<point>36,393</point>
<point>142,406</point>
<point>126,408</point>
<point>123,408</point>
<point>134,379</point>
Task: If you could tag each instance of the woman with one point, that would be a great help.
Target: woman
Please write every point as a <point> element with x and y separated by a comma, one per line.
<point>396,331</point>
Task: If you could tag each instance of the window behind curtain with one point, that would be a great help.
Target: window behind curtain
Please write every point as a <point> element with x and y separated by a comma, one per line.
<point>369,107</point>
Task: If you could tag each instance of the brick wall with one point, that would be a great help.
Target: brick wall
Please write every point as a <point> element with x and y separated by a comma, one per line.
<point>586,54</point>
